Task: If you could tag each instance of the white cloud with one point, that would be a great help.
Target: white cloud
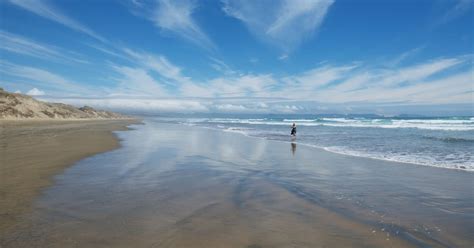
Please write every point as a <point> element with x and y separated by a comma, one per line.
<point>254,60</point>
<point>137,3</point>
<point>48,11</point>
<point>285,23</point>
<point>35,92</point>
<point>459,9</point>
<point>182,105</point>
<point>325,83</point>
<point>43,77</point>
<point>195,90</point>
<point>21,45</point>
<point>175,16</point>
<point>418,72</point>
<point>305,84</point>
<point>283,57</point>
<point>108,51</point>
<point>140,104</point>
<point>222,67</point>
<point>354,82</point>
<point>235,106</point>
<point>248,85</point>
<point>231,107</point>
<point>18,92</point>
<point>161,65</point>
<point>286,108</point>
<point>137,81</point>
<point>413,84</point>
<point>39,75</point>
<point>455,88</point>
<point>404,56</point>
<point>153,79</point>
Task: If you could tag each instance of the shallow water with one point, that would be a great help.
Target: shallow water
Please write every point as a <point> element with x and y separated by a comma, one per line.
<point>172,185</point>
<point>440,142</point>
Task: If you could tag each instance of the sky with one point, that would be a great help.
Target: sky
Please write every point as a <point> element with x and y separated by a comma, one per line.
<point>265,56</point>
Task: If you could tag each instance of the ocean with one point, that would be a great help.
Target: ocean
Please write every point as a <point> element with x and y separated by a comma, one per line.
<point>446,142</point>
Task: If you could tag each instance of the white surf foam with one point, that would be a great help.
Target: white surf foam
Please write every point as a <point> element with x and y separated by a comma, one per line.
<point>434,124</point>
<point>411,159</point>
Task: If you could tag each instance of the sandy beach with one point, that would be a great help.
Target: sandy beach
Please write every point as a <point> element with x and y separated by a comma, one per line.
<point>33,151</point>
<point>172,185</point>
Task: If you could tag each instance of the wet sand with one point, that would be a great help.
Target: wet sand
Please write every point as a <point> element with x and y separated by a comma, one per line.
<point>178,186</point>
<point>32,152</point>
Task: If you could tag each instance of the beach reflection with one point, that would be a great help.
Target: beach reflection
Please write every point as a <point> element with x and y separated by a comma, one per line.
<point>293,148</point>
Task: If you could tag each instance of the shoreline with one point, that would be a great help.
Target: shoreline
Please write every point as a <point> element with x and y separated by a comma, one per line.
<point>33,151</point>
<point>336,152</point>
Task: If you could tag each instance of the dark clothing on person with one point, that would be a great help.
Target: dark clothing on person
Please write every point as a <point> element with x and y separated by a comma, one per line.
<point>293,131</point>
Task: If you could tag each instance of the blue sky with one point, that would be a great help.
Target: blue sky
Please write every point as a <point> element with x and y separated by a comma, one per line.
<point>279,56</point>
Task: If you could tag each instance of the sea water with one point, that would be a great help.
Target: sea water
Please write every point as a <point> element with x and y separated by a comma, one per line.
<point>446,142</point>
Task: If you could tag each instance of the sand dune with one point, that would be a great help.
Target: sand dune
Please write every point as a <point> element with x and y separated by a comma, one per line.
<point>19,106</point>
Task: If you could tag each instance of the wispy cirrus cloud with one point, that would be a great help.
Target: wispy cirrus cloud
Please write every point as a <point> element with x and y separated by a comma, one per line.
<point>150,75</point>
<point>224,68</point>
<point>460,8</point>
<point>159,64</point>
<point>44,78</point>
<point>418,83</point>
<point>452,89</point>
<point>413,74</point>
<point>285,23</point>
<point>47,10</point>
<point>109,50</point>
<point>137,81</point>
<point>243,85</point>
<point>174,16</point>
<point>22,45</point>
<point>315,78</point>
<point>144,86</point>
<point>404,56</point>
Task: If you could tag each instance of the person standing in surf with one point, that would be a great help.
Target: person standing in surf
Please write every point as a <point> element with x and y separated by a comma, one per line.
<point>293,130</point>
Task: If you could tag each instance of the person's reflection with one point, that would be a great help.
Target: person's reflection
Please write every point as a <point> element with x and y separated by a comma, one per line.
<point>293,148</point>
